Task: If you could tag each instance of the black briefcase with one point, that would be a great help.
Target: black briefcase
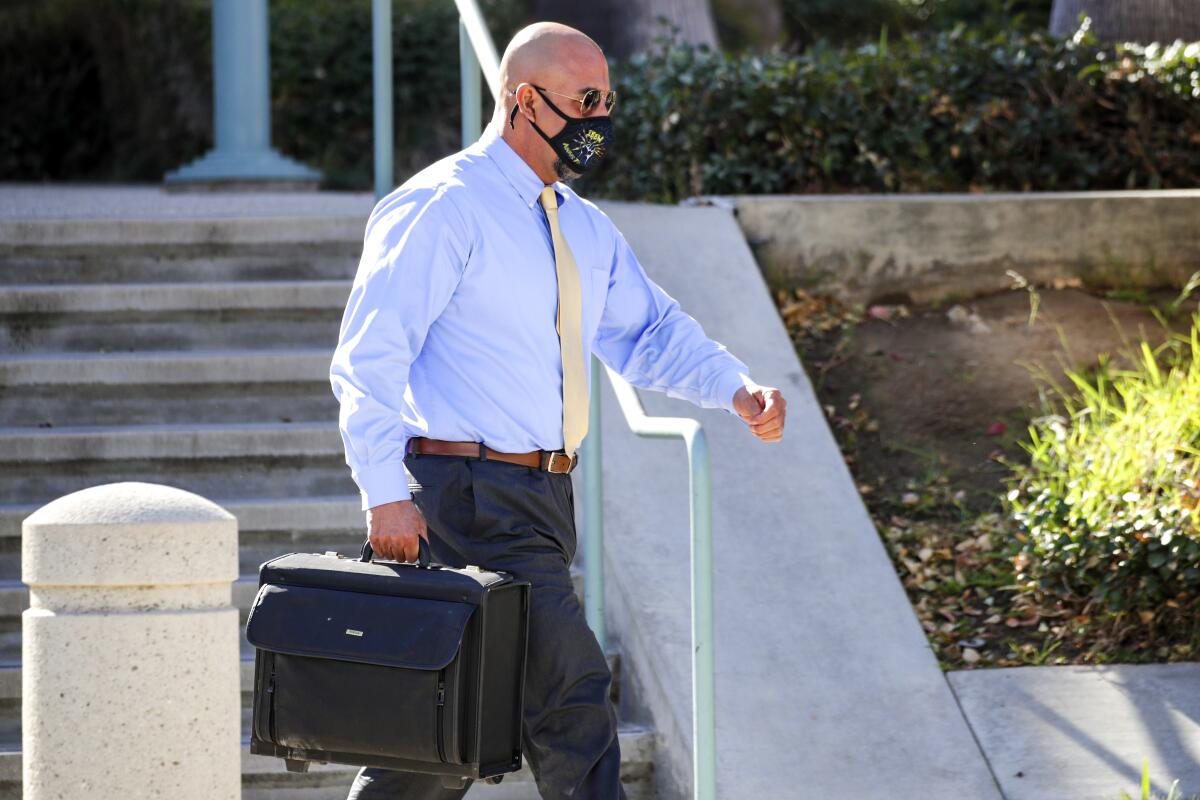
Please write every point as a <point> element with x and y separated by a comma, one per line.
<point>415,667</point>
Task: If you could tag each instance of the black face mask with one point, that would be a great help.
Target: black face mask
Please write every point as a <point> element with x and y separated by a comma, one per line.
<point>583,141</point>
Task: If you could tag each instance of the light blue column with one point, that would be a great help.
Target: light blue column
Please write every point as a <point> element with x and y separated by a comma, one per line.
<point>381,82</point>
<point>241,103</point>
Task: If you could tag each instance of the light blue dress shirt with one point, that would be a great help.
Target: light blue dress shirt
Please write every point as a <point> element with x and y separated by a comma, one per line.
<point>449,330</point>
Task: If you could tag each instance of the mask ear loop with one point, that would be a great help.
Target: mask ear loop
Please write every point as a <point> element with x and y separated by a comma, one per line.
<point>512,118</point>
<point>553,107</point>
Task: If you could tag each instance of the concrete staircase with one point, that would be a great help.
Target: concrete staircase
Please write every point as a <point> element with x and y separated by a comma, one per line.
<point>197,360</point>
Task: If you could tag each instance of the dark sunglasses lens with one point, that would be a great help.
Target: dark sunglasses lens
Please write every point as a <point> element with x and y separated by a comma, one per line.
<point>592,98</point>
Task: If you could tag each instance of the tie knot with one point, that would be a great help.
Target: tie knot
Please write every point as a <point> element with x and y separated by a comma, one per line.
<point>549,199</point>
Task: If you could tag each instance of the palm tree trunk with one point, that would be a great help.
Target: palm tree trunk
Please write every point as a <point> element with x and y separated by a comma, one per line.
<point>1130,20</point>
<point>624,27</point>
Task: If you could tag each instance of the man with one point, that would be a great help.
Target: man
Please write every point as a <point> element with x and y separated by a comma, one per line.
<point>461,373</point>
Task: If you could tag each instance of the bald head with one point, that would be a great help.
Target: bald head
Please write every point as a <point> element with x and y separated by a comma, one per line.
<point>544,51</point>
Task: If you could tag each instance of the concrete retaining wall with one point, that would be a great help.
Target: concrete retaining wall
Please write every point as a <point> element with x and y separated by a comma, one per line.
<point>935,247</point>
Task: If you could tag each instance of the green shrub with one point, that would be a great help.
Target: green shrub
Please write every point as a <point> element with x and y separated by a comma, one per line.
<point>955,111</point>
<point>1108,502</point>
<point>103,89</point>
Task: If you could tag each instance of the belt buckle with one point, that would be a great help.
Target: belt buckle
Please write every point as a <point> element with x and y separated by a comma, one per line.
<point>554,455</point>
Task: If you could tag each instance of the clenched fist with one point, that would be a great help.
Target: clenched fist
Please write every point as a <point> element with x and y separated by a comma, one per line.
<point>763,409</point>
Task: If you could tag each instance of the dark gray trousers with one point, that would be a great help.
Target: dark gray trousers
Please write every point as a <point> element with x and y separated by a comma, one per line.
<point>521,520</point>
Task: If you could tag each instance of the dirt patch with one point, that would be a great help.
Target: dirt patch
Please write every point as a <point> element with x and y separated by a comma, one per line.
<point>930,405</point>
<point>953,387</point>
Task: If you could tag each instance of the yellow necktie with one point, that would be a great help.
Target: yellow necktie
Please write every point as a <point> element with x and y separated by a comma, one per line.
<point>570,331</point>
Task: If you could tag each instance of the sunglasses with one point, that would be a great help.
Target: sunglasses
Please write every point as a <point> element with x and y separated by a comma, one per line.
<point>590,99</point>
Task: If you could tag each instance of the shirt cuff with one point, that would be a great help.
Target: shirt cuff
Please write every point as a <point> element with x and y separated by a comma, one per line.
<point>383,483</point>
<point>728,387</point>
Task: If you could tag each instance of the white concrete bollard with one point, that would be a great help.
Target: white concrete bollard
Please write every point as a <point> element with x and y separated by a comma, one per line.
<point>130,673</point>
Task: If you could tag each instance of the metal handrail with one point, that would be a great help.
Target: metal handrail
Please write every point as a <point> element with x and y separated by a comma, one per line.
<point>478,53</point>
<point>471,18</point>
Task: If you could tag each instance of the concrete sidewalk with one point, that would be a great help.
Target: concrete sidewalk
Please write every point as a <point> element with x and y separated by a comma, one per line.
<point>1080,733</point>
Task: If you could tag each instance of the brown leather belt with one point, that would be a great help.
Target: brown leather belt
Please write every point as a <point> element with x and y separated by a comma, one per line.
<point>550,460</point>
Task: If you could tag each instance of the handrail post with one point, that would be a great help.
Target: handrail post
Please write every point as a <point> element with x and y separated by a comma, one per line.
<point>593,515</point>
<point>381,82</point>
<point>704,762</point>
<point>471,95</point>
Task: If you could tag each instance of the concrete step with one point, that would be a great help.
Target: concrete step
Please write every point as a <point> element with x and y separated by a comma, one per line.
<point>302,459</point>
<point>123,443</point>
<point>67,223</point>
<point>262,772</point>
<point>183,368</point>
<point>10,649</point>
<point>175,387</point>
<point>266,778</point>
<point>14,599</point>
<point>10,770</point>
<point>162,316</point>
<point>175,404</point>
<point>182,263</point>
<point>144,298</point>
<point>266,528</point>
<point>293,519</point>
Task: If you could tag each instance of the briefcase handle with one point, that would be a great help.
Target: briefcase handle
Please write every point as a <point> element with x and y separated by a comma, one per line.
<point>423,557</point>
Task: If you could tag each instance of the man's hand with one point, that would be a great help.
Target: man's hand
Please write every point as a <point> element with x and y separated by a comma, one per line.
<point>763,409</point>
<point>393,528</point>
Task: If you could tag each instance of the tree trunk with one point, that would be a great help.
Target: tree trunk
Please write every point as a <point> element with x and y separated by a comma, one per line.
<point>749,24</point>
<point>625,27</point>
<point>1130,20</point>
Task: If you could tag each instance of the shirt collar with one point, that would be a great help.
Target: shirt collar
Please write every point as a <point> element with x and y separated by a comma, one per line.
<point>522,177</point>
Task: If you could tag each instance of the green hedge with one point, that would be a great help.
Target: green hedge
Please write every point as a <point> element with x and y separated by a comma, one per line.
<point>954,111</point>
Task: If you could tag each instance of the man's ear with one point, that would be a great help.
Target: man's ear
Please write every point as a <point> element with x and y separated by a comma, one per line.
<point>524,99</point>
